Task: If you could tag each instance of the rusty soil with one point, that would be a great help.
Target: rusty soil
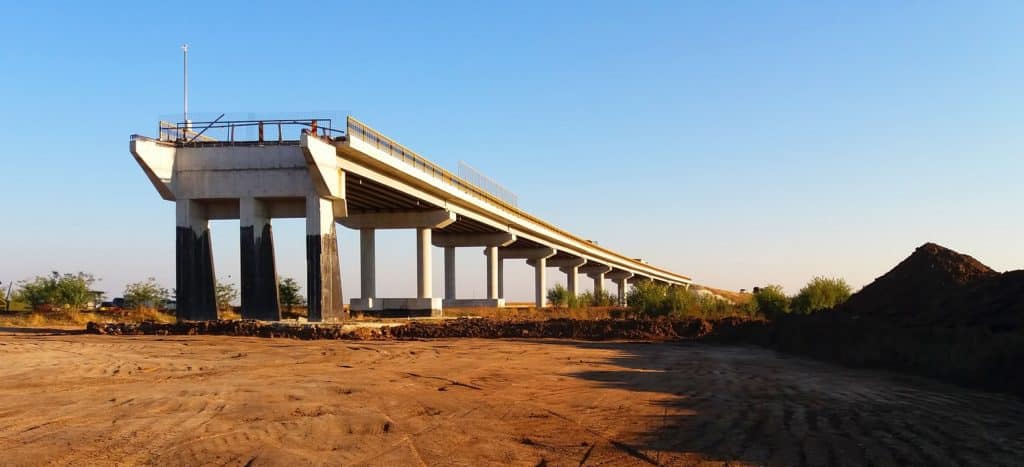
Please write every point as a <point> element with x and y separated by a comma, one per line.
<point>190,400</point>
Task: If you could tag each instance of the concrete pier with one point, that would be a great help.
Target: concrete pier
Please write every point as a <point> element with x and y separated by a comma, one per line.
<point>194,276</point>
<point>537,257</point>
<point>259,282</point>
<point>621,278</point>
<point>323,267</point>
<point>596,272</point>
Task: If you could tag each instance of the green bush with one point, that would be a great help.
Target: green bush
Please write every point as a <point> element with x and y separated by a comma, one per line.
<point>145,294</point>
<point>821,293</point>
<point>601,298</point>
<point>650,298</point>
<point>70,290</point>
<point>771,301</point>
<point>288,292</point>
<point>558,296</point>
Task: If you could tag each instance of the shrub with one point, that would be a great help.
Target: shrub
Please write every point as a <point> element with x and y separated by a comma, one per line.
<point>71,290</point>
<point>652,298</point>
<point>558,296</point>
<point>226,293</point>
<point>821,293</point>
<point>145,294</point>
<point>771,301</point>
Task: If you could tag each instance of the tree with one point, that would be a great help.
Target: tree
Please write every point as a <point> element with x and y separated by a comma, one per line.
<point>771,301</point>
<point>70,290</point>
<point>289,290</point>
<point>226,293</point>
<point>145,294</point>
<point>821,293</point>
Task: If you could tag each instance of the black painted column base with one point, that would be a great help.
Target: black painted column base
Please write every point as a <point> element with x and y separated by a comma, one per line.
<point>196,290</point>
<point>323,278</point>
<point>260,294</point>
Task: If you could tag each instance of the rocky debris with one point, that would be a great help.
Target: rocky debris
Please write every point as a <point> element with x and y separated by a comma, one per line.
<point>634,329</point>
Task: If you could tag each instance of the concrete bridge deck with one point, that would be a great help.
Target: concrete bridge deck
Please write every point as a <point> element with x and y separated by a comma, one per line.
<point>363,180</point>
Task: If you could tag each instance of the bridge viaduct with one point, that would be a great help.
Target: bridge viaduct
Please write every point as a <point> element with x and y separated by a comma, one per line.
<point>361,179</point>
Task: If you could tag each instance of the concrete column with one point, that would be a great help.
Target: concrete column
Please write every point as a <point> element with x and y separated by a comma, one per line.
<point>194,277</point>
<point>323,267</point>
<point>501,278</point>
<point>493,277</point>
<point>449,272</point>
<point>260,294</point>
<point>621,282</point>
<point>423,267</point>
<point>367,264</point>
<point>598,283</point>
<point>572,279</point>
<point>540,279</point>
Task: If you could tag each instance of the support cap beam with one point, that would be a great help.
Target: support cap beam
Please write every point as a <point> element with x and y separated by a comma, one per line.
<point>434,219</point>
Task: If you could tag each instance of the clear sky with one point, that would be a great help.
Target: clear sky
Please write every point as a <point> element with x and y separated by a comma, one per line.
<point>742,143</point>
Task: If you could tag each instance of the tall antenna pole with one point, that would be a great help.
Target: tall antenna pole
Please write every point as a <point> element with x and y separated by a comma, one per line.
<point>184,49</point>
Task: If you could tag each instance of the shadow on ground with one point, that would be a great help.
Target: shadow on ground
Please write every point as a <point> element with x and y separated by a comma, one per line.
<point>751,405</point>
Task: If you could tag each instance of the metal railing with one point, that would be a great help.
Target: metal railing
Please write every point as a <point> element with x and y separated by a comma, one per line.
<point>474,176</point>
<point>246,131</point>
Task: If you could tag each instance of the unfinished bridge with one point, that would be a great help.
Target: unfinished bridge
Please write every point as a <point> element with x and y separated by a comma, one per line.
<point>359,178</point>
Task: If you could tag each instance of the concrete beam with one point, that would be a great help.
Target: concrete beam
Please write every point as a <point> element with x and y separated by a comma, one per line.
<point>259,284</point>
<point>322,161</point>
<point>433,219</point>
<point>526,253</point>
<point>593,268</point>
<point>157,161</point>
<point>459,239</point>
<point>323,267</point>
<point>619,274</point>
<point>561,262</point>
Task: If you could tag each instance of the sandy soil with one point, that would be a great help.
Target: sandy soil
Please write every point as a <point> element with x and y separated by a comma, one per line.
<point>100,400</point>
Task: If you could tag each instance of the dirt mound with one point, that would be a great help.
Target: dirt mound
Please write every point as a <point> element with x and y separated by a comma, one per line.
<point>921,286</point>
<point>605,329</point>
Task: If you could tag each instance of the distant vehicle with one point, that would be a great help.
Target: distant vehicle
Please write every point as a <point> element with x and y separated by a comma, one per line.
<point>119,302</point>
<point>109,306</point>
<point>170,305</point>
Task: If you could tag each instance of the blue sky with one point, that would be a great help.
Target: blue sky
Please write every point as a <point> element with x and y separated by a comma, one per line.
<point>742,143</point>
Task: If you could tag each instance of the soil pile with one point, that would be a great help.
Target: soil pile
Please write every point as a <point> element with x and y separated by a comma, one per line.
<point>605,329</point>
<point>938,313</point>
<point>922,287</point>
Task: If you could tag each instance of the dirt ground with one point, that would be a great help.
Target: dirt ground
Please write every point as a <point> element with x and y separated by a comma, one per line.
<point>192,400</point>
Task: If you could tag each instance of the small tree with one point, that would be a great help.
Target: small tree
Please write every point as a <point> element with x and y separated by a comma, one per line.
<point>821,293</point>
<point>289,292</point>
<point>71,290</point>
<point>147,293</point>
<point>771,301</point>
<point>226,293</point>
